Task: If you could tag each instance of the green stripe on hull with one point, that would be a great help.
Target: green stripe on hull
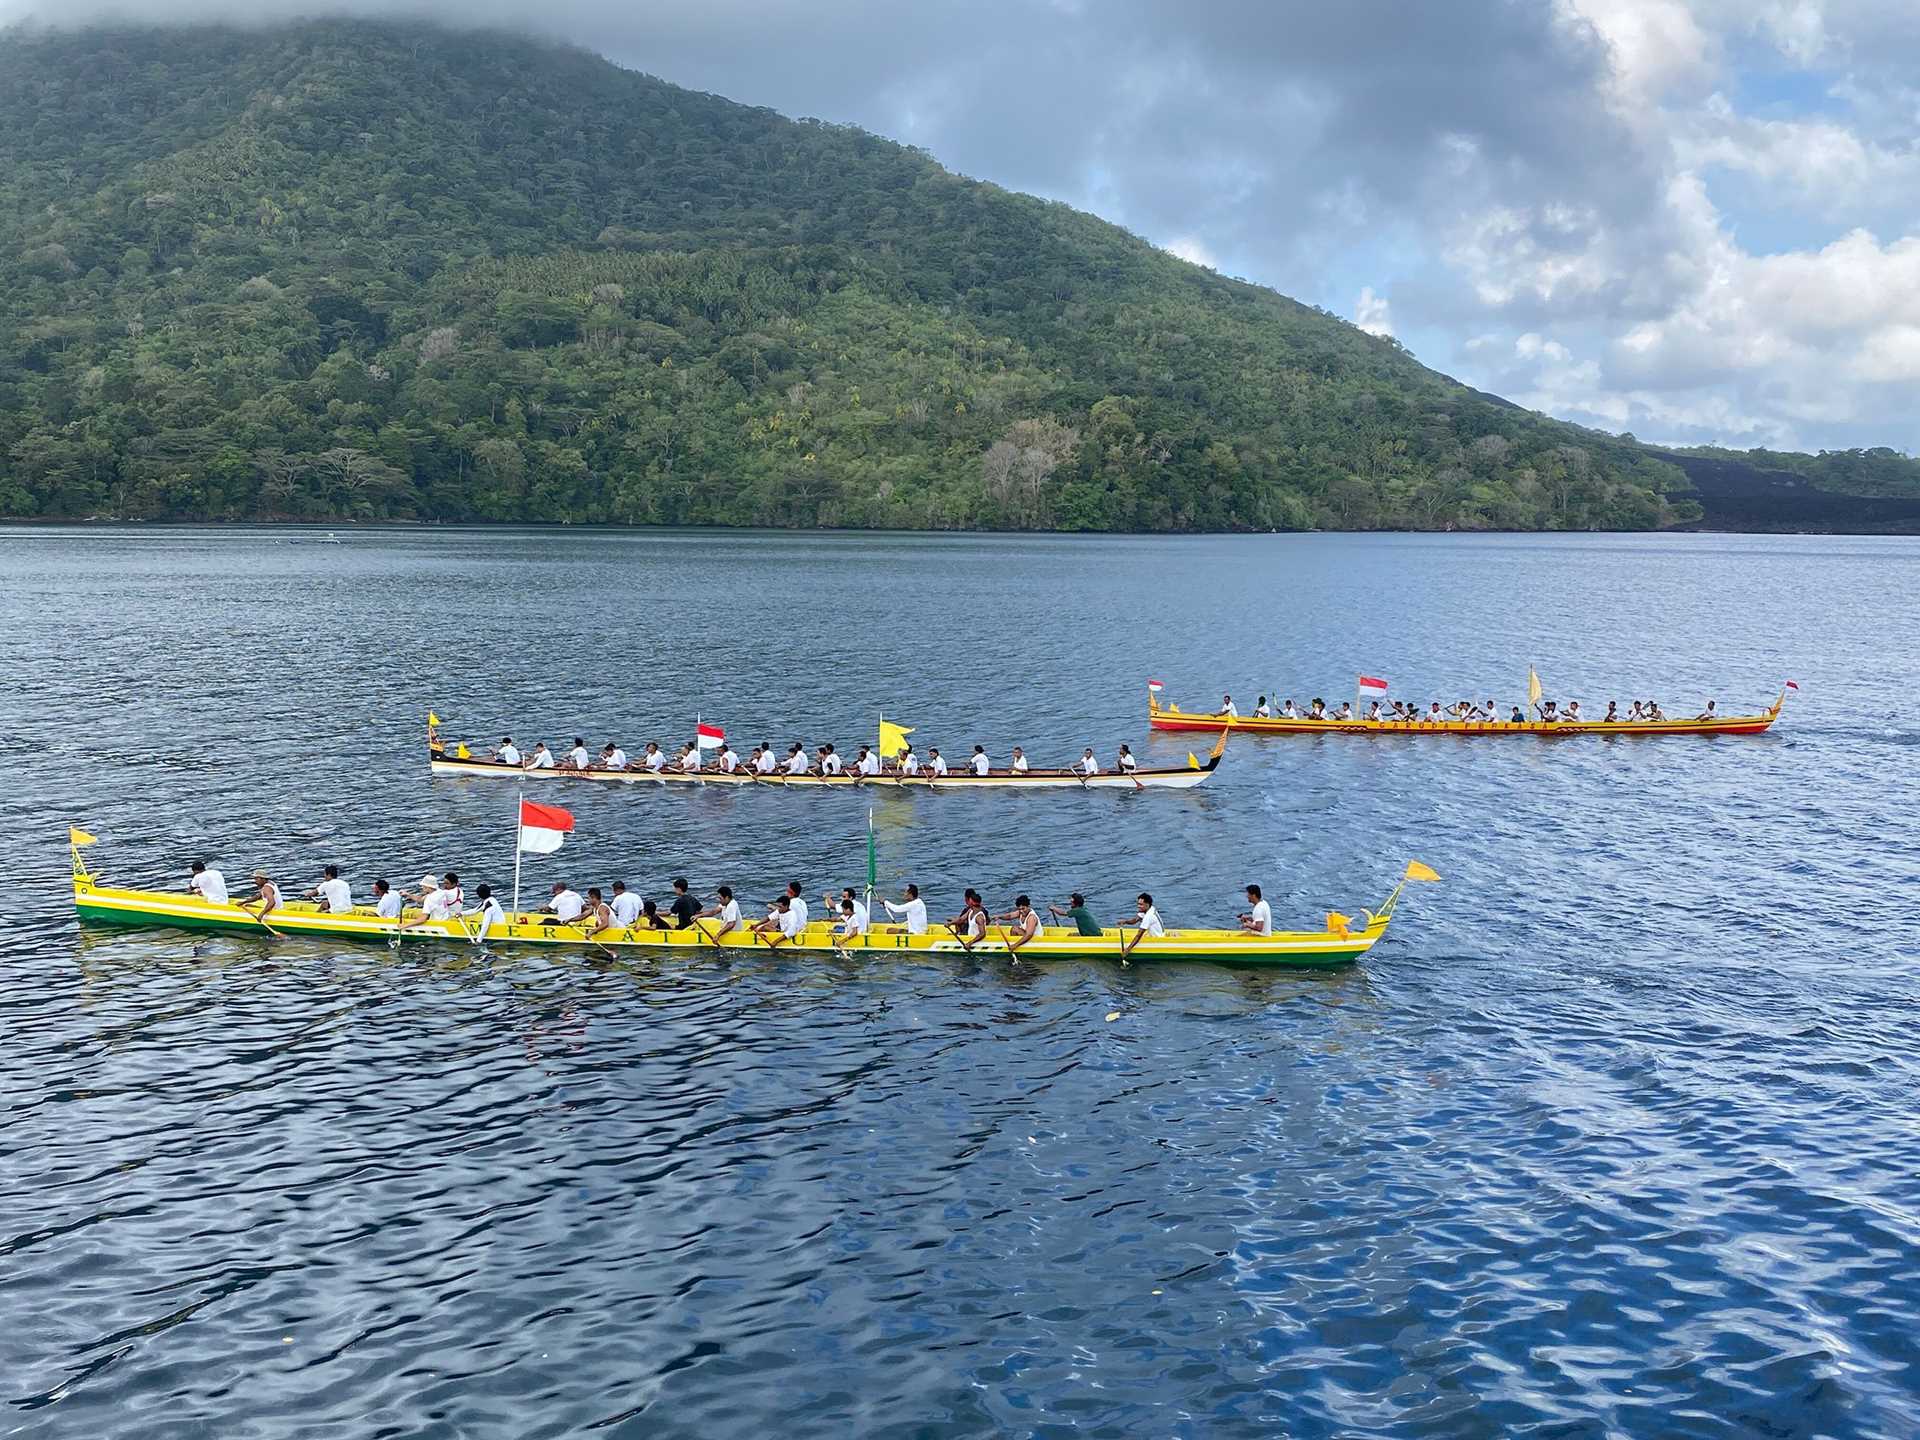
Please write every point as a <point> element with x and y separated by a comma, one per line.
<point>1301,960</point>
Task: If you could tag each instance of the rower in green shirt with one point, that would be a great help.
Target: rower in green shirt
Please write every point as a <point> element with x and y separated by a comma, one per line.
<point>1077,912</point>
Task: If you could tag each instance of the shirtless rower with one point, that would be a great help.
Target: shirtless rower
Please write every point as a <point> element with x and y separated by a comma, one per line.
<point>1026,923</point>
<point>1143,922</point>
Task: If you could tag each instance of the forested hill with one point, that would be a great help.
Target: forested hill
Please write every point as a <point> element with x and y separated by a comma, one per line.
<point>359,270</point>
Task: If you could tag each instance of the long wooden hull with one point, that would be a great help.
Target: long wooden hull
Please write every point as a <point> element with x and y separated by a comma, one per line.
<point>1161,779</point>
<point>1172,717</point>
<point>97,903</point>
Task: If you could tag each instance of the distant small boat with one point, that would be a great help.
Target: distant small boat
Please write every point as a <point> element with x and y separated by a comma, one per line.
<point>1172,717</point>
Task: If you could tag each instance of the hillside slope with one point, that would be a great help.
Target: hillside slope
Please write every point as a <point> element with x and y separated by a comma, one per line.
<point>356,270</point>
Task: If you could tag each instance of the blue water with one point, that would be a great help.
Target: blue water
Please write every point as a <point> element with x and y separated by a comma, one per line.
<point>1615,1135</point>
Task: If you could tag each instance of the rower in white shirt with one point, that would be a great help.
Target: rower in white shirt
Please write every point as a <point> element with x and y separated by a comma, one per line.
<point>1262,710</point>
<point>1143,922</point>
<point>565,903</point>
<point>830,763</point>
<point>867,763</point>
<point>1259,919</point>
<point>386,901</point>
<point>491,914</point>
<point>796,760</point>
<point>912,908</point>
<point>613,757</point>
<point>978,762</point>
<point>1125,763</point>
<point>208,883</point>
<point>577,757</point>
<point>1227,707</point>
<point>654,758</point>
<point>853,913</point>
<point>439,900</point>
<point>729,761</point>
<point>764,763</point>
<point>508,753</point>
<point>909,763</point>
<point>333,893</point>
<point>1019,766</point>
<point>725,909</point>
<point>625,906</point>
<point>690,759</point>
<point>542,757</point>
<point>936,762</point>
<point>1289,711</point>
<point>1088,765</point>
<point>797,904</point>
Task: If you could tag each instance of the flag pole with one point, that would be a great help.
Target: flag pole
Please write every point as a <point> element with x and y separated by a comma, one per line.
<point>872,861</point>
<point>518,796</point>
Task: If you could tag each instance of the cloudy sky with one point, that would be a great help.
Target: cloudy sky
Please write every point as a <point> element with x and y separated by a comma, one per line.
<point>1698,220</point>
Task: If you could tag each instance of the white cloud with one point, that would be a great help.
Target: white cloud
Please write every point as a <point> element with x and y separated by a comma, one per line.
<point>1189,248</point>
<point>1372,313</point>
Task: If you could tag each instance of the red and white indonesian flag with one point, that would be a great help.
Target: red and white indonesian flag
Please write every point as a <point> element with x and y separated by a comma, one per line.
<point>1155,687</point>
<point>1373,683</point>
<point>543,827</point>
<point>709,737</point>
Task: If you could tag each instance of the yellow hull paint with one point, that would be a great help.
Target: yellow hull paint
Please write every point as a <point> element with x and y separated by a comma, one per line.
<point>96,902</point>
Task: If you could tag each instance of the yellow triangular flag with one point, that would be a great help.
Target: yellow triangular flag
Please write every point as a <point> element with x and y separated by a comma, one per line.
<point>460,751</point>
<point>1338,924</point>
<point>1193,761</point>
<point>893,739</point>
<point>1417,871</point>
<point>432,719</point>
<point>1533,687</point>
<point>77,836</point>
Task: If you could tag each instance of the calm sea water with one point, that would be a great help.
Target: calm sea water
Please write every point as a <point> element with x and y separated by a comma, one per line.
<point>1615,1135</point>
